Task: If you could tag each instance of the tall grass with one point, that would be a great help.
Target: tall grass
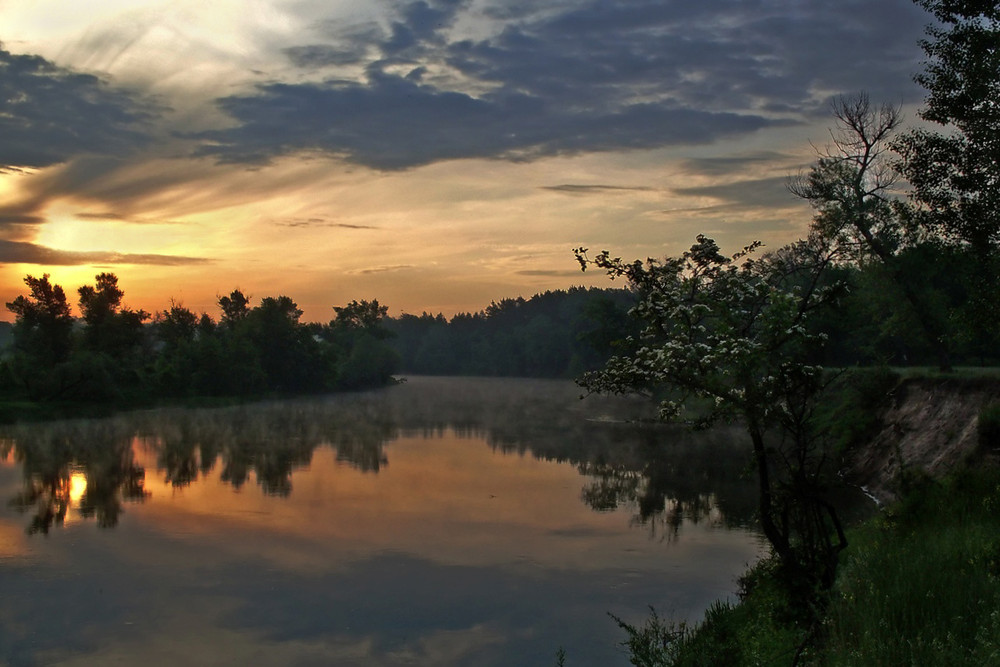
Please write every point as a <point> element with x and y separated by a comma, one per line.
<point>922,585</point>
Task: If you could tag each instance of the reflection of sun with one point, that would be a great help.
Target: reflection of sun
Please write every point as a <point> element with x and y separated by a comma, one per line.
<point>77,487</point>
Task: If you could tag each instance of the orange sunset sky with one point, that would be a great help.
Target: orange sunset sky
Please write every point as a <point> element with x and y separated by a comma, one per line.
<point>435,155</point>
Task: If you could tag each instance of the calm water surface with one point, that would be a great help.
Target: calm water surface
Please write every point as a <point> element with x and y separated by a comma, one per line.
<point>439,522</point>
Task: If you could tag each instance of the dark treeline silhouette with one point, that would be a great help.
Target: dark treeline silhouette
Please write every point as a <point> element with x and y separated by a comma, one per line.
<point>113,353</point>
<point>874,324</point>
<point>556,334</point>
<point>564,333</point>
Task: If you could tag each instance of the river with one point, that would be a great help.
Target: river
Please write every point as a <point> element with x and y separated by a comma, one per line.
<point>442,521</point>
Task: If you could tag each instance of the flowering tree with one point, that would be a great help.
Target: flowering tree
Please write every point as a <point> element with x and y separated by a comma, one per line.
<point>726,338</point>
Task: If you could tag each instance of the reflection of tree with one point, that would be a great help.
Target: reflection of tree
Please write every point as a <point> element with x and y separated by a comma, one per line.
<point>666,475</point>
<point>50,454</point>
<point>268,440</point>
<point>670,476</point>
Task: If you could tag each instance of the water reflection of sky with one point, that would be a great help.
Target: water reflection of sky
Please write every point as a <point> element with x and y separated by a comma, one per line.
<point>453,553</point>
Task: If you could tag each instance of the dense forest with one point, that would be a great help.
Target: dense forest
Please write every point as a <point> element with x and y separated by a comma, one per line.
<point>114,354</point>
<point>556,334</point>
<point>563,333</point>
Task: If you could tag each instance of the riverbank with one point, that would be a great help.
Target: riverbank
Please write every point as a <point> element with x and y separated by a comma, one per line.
<point>918,584</point>
<point>925,426</point>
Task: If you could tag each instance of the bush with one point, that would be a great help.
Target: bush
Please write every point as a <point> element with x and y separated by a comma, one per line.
<point>989,426</point>
<point>850,413</point>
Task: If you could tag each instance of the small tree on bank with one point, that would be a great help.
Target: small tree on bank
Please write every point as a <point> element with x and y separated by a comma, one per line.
<point>726,338</point>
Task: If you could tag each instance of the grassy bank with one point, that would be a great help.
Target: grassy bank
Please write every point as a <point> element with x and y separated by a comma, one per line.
<point>919,585</point>
<point>922,583</point>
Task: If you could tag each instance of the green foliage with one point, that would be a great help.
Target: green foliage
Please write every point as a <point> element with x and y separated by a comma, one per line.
<point>361,315</point>
<point>850,413</point>
<point>762,628</point>
<point>234,307</point>
<point>988,427</point>
<point>653,643</point>
<point>919,586</point>
<point>954,173</point>
<point>370,363</point>
<point>554,334</point>
<point>44,324</point>
<point>115,356</point>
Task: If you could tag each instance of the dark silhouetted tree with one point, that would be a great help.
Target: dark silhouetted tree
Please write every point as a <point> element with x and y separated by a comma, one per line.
<point>850,186</point>
<point>955,172</point>
<point>43,325</point>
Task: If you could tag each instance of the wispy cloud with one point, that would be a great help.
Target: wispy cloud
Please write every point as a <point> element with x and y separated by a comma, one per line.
<point>769,192</point>
<point>736,164</point>
<point>18,252</point>
<point>572,189</point>
<point>320,222</point>
<point>548,273</point>
<point>385,269</point>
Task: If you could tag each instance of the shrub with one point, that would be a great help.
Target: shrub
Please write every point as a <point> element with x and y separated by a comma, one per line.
<point>989,426</point>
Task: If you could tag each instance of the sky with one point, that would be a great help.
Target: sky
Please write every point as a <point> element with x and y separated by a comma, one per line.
<point>435,155</point>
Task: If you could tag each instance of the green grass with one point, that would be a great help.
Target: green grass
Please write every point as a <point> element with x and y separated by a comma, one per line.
<point>761,629</point>
<point>964,372</point>
<point>921,585</point>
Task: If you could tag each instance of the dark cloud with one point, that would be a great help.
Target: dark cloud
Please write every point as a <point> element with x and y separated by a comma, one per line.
<point>17,252</point>
<point>314,56</point>
<point>581,77</point>
<point>386,269</point>
<point>20,219</point>
<point>49,114</point>
<point>100,216</point>
<point>755,193</point>
<point>320,222</point>
<point>394,123</point>
<point>726,166</point>
<point>549,273</point>
<point>572,189</point>
<point>420,25</point>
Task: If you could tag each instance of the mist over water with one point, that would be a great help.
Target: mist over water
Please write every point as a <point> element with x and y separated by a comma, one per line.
<point>439,522</point>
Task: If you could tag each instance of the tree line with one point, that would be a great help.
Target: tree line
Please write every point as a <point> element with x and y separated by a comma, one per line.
<point>115,353</point>
<point>555,334</point>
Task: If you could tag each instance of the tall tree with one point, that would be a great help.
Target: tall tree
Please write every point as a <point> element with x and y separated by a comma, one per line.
<point>362,315</point>
<point>44,325</point>
<point>110,327</point>
<point>851,188</point>
<point>955,172</point>
<point>235,307</point>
